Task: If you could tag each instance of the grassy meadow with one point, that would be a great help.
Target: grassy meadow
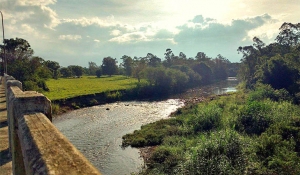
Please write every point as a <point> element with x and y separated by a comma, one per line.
<point>71,87</point>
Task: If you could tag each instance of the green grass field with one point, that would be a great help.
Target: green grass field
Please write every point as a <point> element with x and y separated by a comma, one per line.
<point>72,87</point>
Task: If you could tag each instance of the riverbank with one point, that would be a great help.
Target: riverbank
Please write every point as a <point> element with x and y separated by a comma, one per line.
<point>146,152</point>
<point>97,132</point>
<point>146,93</point>
<point>256,133</point>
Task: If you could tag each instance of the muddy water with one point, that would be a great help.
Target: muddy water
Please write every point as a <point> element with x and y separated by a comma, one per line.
<point>97,131</point>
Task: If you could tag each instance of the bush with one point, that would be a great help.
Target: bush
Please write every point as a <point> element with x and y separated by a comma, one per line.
<point>253,118</point>
<point>165,159</point>
<point>207,119</point>
<point>42,84</point>
<point>264,91</point>
<point>30,85</point>
<point>278,149</point>
<point>55,108</point>
<point>98,73</point>
<point>217,153</point>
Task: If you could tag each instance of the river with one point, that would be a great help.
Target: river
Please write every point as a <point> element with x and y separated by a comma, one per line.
<point>97,131</point>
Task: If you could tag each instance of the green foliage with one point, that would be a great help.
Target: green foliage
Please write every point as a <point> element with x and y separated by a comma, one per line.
<point>276,64</point>
<point>204,71</point>
<point>66,72</point>
<point>109,66</point>
<point>98,73</point>
<point>254,118</point>
<point>206,119</point>
<point>127,65</point>
<point>263,91</point>
<point>92,68</point>
<point>230,135</point>
<point>279,74</point>
<point>76,70</point>
<point>278,149</point>
<point>110,95</point>
<point>165,159</point>
<point>55,108</point>
<point>217,153</point>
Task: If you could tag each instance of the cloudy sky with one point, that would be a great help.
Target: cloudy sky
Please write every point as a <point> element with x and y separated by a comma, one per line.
<point>75,32</point>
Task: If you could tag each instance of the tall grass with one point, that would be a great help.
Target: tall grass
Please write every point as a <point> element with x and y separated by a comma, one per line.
<point>255,133</point>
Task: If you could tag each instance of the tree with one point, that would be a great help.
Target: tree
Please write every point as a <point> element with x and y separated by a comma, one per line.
<point>204,71</point>
<point>17,53</point>
<point>93,68</point>
<point>53,66</point>
<point>109,66</point>
<point>220,67</point>
<point>23,66</point>
<point>17,49</point>
<point>289,34</point>
<point>76,70</point>
<point>279,74</point>
<point>258,44</point>
<point>127,65</point>
<point>139,65</point>
<point>66,72</point>
<point>98,73</point>
<point>154,61</point>
<point>201,56</point>
<point>168,58</point>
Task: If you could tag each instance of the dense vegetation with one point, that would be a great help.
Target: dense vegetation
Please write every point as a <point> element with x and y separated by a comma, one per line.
<point>253,131</point>
<point>172,74</point>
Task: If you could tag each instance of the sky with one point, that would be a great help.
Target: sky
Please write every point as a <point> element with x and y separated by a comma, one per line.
<point>75,32</point>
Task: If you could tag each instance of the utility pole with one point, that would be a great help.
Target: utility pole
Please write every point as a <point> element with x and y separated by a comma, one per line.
<point>4,55</point>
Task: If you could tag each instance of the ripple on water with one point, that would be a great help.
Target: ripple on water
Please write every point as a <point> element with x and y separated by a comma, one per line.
<point>97,132</point>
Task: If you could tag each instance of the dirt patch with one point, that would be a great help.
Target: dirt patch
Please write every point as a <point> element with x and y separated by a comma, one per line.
<point>146,152</point>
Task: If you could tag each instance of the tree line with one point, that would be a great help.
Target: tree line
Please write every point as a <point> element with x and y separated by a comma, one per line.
<point>171,73</point>
<point>276,64</point>
<point>253,131</point>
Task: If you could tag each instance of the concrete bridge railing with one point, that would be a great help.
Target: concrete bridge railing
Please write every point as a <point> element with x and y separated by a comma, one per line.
<point>36,146</point>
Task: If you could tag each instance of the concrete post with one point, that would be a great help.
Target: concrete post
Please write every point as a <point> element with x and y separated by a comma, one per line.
<point>10,82</point>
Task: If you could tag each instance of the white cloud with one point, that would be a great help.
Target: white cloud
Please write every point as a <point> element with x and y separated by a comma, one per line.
<point>69,37</point>
<point>35,2</point>
<point>138,27</point>
<point>129,37</point>
<point>115,32</point>
<point>83,21</point>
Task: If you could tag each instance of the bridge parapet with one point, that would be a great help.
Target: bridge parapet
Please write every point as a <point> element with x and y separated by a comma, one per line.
<point>36,146</point>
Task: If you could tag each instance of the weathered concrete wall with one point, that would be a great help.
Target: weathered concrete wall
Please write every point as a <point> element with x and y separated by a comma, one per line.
<point>36,146</point>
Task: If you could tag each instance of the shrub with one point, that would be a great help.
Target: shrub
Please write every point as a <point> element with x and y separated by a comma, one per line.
<point>207,119</point>
<point>217,153</point>
<point>253,118</point>
<point>55,108</point>
<point>165,159</point>
<point>30,85</point>
<point>42,84</point>
<point>264,91</point>
<point>278,149</point>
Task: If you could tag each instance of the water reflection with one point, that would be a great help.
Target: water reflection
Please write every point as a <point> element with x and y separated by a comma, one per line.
<point>97,131</point>
<point>226,86</point>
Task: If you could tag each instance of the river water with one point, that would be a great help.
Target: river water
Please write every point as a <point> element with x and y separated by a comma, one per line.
<point>97,131</point>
